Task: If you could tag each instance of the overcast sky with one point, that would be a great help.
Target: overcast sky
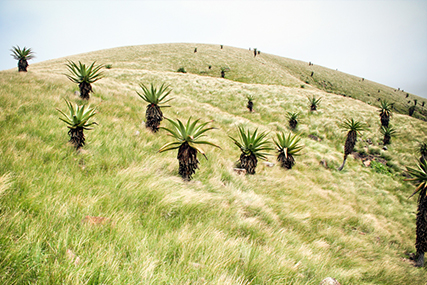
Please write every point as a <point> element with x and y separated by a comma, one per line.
<point>383,41</point>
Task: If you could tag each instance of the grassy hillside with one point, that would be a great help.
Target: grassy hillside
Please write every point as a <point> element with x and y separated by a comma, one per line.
<point>275,227</point>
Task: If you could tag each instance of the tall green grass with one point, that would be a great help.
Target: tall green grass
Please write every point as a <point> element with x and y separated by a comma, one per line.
<point>275,227</point>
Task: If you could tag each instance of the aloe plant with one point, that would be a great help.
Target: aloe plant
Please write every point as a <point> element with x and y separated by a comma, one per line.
<point>77,120</point>
<point>293,119</point>
<point>253,146</point>
<point>187,141</point>
<point>385,112</point>
<point>354,128</point>
<point>419,177</point>
<point>155,98</point>
<point>84,76</point>
<point>250,105</point>
<point>314,102</point>
<point>388,133</point>
<point>423,151</point>
<point>287,147</point>
<point>22,55</point>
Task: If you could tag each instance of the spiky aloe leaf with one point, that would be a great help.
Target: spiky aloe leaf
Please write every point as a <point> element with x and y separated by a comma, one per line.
<point>288,144</point>
<point>22,54</point>
<point>189,132</point>
<point>352,125</point>
<point>78,116</point>
<point>287,147</point>
<point>153,95</point>
<point>82,74</point>
<point>252,143</point>
<point>388,131</point>
<point>419,176</point>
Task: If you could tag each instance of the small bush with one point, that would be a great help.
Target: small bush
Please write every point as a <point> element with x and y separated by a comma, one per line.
<point>182,70</point>
<point>378,167</point>
<point>108,66</point>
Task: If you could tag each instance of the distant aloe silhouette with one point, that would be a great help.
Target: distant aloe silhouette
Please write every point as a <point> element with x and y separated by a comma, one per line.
<point>22,55</point>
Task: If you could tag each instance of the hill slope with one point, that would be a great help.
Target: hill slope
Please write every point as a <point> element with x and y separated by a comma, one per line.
<point>275,227</point>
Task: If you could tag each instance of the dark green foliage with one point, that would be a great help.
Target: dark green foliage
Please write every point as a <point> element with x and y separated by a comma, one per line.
<point>182,70</point>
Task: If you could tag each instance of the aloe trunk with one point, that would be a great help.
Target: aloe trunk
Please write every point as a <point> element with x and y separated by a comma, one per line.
<point>385,120</point>
<point>350,142</point>
<point>153,117</point>
<point>248,162</point>
<point>286,161</point>
<point>77,137</point>
<point>250,105</point>
<point>22,65</point>
<point>421,239</point>
<point>188,163</point>
<point>293,124</point>
<point>85,89</point>
<point>386,139</point>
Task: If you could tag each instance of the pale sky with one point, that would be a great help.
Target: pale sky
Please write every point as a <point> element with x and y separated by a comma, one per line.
<point>383,41</point>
